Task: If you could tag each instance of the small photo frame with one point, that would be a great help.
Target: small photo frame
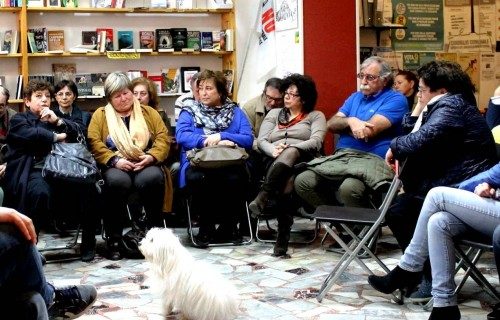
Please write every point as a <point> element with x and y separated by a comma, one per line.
<point>186,74</point>
<point>53,3</point>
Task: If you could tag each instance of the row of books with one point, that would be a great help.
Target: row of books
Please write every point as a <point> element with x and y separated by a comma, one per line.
<point>101,40</point>
<point>11,3</point>
<point>175,4</point>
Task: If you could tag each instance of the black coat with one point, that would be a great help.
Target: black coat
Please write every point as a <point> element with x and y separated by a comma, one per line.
<point>454,143</point>
<point>29,139</point>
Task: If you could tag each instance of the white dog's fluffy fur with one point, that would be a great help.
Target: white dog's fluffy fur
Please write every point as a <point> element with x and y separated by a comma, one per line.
<point>188,286</point>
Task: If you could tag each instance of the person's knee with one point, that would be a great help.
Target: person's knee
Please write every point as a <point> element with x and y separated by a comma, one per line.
<point>305,183</point>
<point>149,177</point>
<point>352,192</point>
<point>438,223</point>
<point>496,240</point>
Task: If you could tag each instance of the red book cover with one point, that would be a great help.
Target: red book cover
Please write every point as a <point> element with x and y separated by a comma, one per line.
<point>109,38</point>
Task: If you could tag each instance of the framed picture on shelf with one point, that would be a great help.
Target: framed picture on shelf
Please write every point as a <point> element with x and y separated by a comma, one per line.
<point>186,74</point>
<point>53,3</point>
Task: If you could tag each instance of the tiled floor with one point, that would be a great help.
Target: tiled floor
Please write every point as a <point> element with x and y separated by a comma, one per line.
<point>270,288</point>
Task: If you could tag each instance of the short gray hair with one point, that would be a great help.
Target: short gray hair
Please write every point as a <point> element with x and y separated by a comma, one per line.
<point>385,68</point>
<point>116,81</point>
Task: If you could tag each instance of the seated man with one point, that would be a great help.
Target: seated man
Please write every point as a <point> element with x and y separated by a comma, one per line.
<point>366,123</point>
<point>256,110</point>
<point>448,141</point>
<point>23,288</point>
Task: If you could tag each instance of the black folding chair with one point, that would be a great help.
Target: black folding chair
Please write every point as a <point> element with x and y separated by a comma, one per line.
<point>345,218</point>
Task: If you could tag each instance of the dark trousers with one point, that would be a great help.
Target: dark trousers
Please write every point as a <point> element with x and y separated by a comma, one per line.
<point>217,195</point>
<point>119,185</point>
<point>23,288</point>
<point>496,248</point>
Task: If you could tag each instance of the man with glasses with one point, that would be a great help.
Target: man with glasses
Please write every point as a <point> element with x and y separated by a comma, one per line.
<point>257,108</point>
<point>365,124</point>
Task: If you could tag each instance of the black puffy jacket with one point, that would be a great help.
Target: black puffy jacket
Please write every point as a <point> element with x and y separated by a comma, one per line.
<point>452,144</point>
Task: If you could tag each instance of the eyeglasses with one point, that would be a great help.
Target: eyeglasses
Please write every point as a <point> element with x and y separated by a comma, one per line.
<point>291,94</point>
<point>279,99</point>
<point>62,94</point>
<point>140,93</point>
<point>368,77</point>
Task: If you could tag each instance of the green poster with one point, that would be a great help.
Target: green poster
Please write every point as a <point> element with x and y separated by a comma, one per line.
<point>414,60</point>
<point>423,20</point>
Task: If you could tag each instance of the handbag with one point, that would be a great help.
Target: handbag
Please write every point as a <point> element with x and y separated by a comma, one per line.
<point>71,162</point>
<point>218,156</point>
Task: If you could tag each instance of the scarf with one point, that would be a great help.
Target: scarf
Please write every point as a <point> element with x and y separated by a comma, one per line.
<point>284,118</point>
<point>130,143</point>
<point>213,120</point>
<point>420,118</point>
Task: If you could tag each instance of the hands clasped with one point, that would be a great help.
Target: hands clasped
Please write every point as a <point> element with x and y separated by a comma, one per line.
<point>126,165</point>
<point>360,129</point>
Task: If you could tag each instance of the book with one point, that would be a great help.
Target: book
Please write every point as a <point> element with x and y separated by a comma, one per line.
<point>365,52</point>
<point>69,3</point>
<point>2,81</point>
<point>64,71</point>
<point>218,40</point>
<point>55,40</point>
<point>117,3</point>
<point>31,42</point>
<point>107,40</point>
<point>146,39</point>
<point>97,83</point>
<point>157,80</point>
<point>83,84</point>
<point>158,3</point>
<point>206,41</point>
<point>125,39</point>
<point>229,40</point>
<point>229,75</point>
<point>184,4</point>
<point>89,38</point>
<point>170,80</point>
<point>101,3</point>
<point>35,3</point>
<point>193,40</point>
<point>47,77</point>
<point>163,39</point>
<point>19,87</point>
<point>40,35</point>
<point>7,41</point>
<point>179,38</point>
<point>219,4</point>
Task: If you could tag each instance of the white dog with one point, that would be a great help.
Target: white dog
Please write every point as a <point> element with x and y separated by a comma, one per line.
<point>186,285</point>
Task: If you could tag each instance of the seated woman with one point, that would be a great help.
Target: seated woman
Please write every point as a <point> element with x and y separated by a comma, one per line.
<point>288,136</point>
<point>129,141</point>
<point>30,140</point>
<point>447,213</point>
<point>214,120</point>
<point>6,114</point>
<point>406,82</point>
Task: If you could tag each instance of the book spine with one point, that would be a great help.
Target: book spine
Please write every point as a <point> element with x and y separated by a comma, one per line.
<point>229,40</point>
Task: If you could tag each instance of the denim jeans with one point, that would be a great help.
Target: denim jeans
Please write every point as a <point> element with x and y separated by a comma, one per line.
<point>447,213</point>
<point>22,281</point>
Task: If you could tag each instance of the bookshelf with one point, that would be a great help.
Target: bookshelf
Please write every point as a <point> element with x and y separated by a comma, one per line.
<point>379,29</point>
<point>75,20</point>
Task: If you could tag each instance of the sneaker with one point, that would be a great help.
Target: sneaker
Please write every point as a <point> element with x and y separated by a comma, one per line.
<point>423,293</point>
<point>72,301</point>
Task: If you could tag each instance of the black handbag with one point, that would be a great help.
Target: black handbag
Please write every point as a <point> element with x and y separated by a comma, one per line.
<point>71,162</point>
<point>218,156</point>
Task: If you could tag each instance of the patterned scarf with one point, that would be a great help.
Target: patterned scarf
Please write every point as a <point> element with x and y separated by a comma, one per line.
<point>284,118</point>
<point>213,120</point>
<point>130,143</point>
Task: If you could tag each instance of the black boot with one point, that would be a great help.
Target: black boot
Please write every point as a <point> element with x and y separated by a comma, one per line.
<point>445,313</point>
<point>284,227</point>
<point>396,279</point>
<point>277,176</point>
<point>495,314</point>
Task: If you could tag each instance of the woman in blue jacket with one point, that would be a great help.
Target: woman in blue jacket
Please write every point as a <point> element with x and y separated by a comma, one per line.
<point>214,120</point>
<point>447,213</point>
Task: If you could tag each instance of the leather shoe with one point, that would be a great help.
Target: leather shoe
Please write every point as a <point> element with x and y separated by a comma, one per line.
<point>495,314</point>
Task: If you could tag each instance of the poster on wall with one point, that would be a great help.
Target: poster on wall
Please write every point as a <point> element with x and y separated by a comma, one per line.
<point>423,20</point>
<point>470,25</point>
<point>286,14</point>
<point>413,60</point>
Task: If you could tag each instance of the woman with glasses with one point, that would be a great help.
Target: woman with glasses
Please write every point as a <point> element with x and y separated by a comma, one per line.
<point>66,93</point>
<point>288,135</point>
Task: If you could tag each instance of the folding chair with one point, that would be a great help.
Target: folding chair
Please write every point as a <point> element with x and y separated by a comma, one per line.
<point>468,259</point>
<point>343,218</point>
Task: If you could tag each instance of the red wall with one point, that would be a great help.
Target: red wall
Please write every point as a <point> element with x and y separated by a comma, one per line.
<point>330,52</point>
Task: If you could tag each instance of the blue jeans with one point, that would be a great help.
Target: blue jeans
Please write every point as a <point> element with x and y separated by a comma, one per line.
<point>22,281</point>
<point>447,213</point>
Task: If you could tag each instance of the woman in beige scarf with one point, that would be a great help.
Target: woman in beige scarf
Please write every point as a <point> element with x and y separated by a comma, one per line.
<point>130,142</point>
